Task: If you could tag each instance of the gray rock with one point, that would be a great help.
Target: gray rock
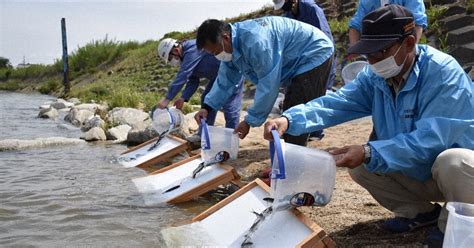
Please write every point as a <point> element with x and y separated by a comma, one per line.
<point>93,121</point>
<point>74,101</point>
<point>78,116</point>
<point>434,2</point>
<point>94,134</point>
<point>61,103</point>
<point>461,36</point>
<point>135,118</point>
<point>189,124</point>
<point>45,106</point>
<point>139,136</point>
<point>119,133</point>
<point>92,107</point>
<point>50,113</point>
<point>454,9</point>
<point>464,54</point>
<point>456,21</point>
<point>17,144</point>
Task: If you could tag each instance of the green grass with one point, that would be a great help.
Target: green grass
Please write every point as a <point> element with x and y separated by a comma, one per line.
<point>49,86</point>
<point>11,85</point>
<point>339,27</point>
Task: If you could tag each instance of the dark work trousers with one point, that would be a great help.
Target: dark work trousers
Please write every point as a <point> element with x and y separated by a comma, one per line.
<point>304,88</point>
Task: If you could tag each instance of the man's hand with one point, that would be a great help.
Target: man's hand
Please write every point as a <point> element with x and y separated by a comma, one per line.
<point>242,129</point>
<point>163,103</point>
<point>179,103</point>
<point>201,114</point>
<point>348,156</point>
<point>280,124</point>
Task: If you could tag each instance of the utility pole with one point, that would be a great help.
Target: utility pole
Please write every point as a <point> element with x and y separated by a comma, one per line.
<point>67,84</point>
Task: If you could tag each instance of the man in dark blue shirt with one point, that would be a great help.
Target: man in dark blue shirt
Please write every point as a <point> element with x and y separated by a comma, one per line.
<point>194,65</point>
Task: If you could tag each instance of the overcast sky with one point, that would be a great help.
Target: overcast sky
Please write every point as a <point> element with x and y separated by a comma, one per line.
<point>33,28</point>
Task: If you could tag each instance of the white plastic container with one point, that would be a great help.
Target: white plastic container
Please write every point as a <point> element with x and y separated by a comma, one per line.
<point>350,71</point>
<point>301,176</point>
<point>218,139</point>
<point>460,228</point>
<point>167,120</point>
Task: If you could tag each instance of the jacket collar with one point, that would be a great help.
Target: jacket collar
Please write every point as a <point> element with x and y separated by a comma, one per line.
<point>235,44</point>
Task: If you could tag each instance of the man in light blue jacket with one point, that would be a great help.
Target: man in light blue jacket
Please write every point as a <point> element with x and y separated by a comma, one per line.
<point>309,12</point>
<point>417,8</point>
<point>271,52</point>
<point>422,108</point>
<point>193,66</point>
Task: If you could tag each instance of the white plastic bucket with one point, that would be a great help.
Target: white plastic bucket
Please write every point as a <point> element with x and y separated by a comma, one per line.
<point>350,71</point>
<point>167,120</point>
<point>460,228</point>
<point>217,139</point>
<point>301,176</point>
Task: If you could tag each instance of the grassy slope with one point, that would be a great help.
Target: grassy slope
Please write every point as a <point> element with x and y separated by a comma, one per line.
<point>135,78</point>
<point>129,74</point>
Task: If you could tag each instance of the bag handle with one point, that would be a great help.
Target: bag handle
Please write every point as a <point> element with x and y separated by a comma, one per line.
<point>275,145</point>
<point>206,145</point>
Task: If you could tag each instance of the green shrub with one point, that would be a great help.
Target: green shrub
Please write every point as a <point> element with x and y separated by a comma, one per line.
<point>339,27</point>
<point>11,85</point>
<point>49,86</point>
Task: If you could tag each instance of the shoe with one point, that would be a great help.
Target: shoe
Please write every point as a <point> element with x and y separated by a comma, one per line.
<point>316,135</point>
<point>434,239</point>
<point>400,224</point>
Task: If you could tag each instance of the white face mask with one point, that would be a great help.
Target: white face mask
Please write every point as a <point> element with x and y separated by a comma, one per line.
<point>388,68</point>
<point>224,56</point>
<point>175,62</point>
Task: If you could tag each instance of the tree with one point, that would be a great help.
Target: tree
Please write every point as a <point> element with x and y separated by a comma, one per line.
<point>5,63</point>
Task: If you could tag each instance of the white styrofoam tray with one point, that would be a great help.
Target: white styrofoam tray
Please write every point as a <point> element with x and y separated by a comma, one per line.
<point>166,144</point>
<point>152,186</point>
<point>226,227</point>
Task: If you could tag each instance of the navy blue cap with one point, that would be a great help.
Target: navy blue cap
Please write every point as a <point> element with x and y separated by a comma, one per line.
<point>383,27</point>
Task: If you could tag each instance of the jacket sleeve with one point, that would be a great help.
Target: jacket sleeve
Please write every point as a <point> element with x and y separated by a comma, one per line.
<point>185,71</point>
<point>417,7</point>
<point>226,84</point>
<point>356,21</point>
<point>191,87</point>
<point>266,62</point>
<point>352,101</point>
<point>446,121</point>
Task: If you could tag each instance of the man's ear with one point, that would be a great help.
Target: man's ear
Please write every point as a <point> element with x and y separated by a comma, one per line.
<point>411,43</point>
<point>226,36</point>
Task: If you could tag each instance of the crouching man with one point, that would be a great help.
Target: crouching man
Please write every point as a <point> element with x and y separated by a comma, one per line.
<point>422,109</point>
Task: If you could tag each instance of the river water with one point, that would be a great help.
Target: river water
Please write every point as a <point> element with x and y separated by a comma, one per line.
<point>74,195</point>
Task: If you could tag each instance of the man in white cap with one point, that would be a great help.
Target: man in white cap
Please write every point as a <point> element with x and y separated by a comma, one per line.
<point>193,66</point>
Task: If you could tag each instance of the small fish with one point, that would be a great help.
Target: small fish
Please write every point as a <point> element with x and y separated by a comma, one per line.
<point>256,224</point>
<point>220,157</point>
<point>160,137</point>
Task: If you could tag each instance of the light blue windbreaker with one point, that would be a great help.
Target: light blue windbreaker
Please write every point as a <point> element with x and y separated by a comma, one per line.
<point>268,51</point>
<point>417,8</point>
<point>311,13</point>
<point>434,111</point>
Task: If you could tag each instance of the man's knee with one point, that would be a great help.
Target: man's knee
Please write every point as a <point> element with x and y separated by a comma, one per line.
<point>456,160</point>
<point>453,172</point>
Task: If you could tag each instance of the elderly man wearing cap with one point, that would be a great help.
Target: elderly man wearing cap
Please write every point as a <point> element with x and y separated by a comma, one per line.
<point>422,107</point>
<point>193,66</point>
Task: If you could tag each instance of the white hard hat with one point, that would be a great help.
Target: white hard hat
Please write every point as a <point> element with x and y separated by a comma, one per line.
<point>164,48</point>
<point>278,4</point>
